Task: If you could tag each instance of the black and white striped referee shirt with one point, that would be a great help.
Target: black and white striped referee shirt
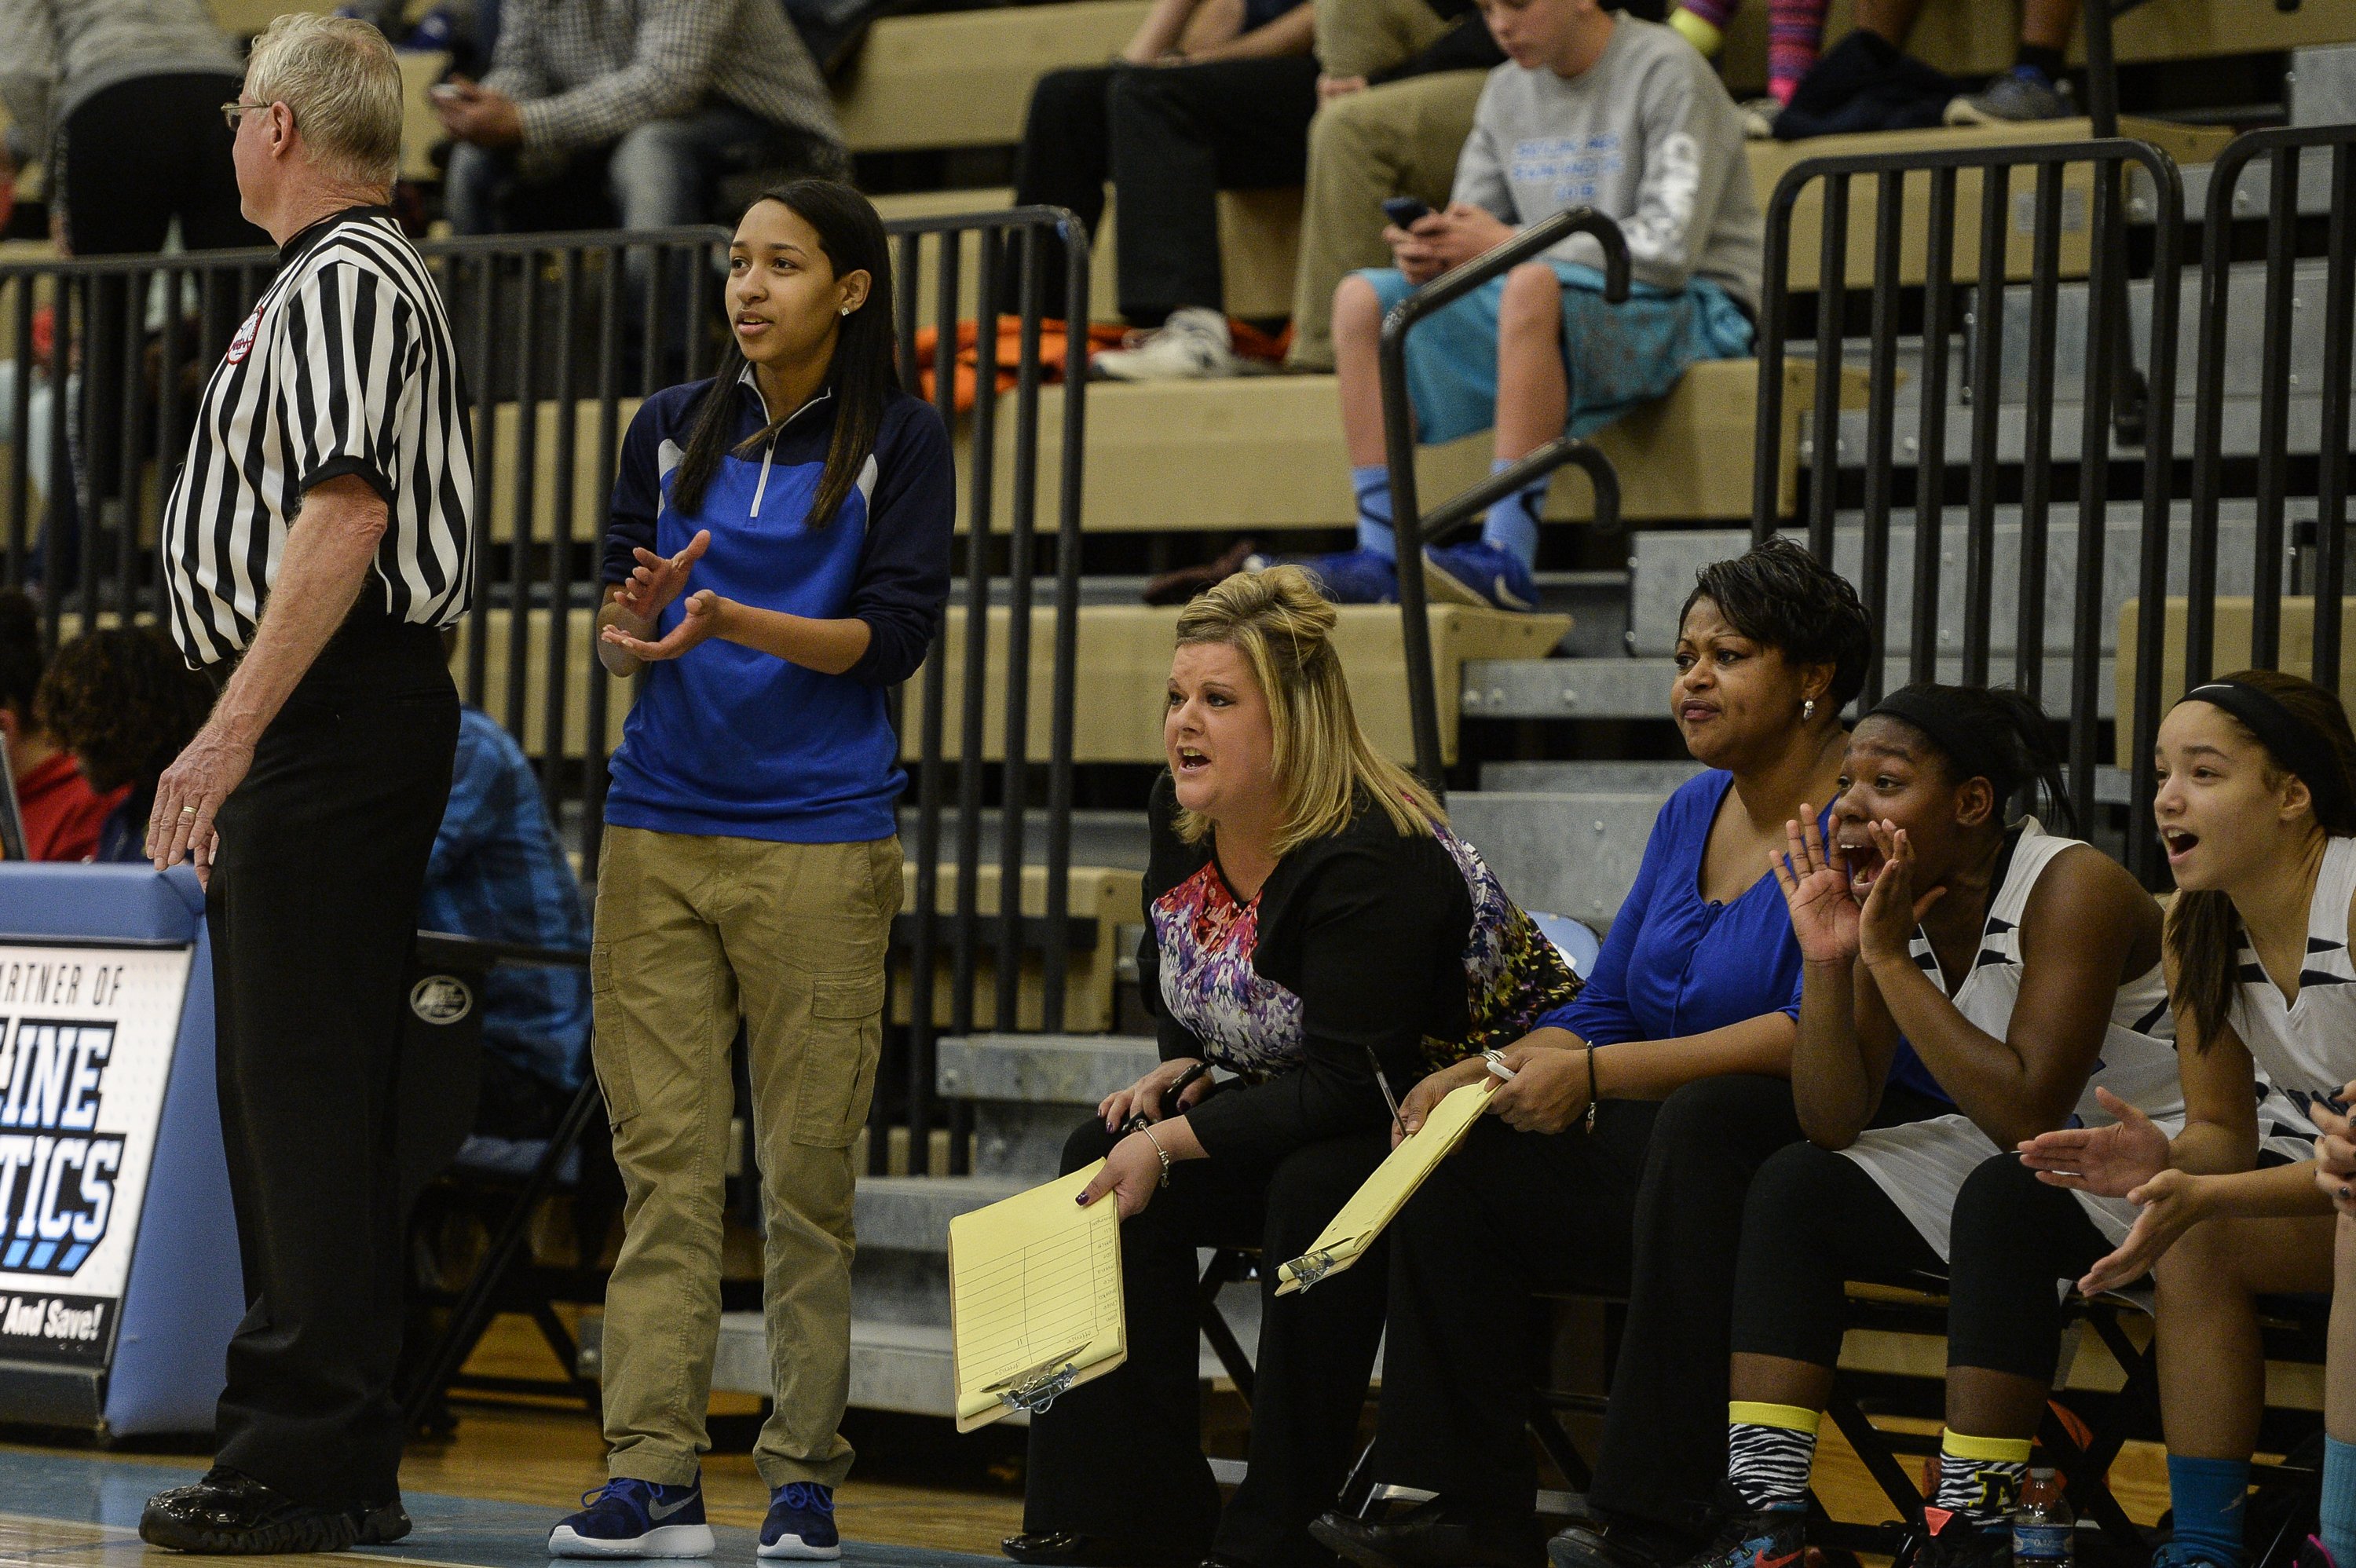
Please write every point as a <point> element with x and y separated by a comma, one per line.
<point>347,365</point>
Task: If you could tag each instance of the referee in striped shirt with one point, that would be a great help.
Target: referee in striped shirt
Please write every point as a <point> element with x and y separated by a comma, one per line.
<point>314,543</point>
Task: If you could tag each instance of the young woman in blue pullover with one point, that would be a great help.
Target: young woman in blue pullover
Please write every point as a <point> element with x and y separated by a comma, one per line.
<point>802,503</point>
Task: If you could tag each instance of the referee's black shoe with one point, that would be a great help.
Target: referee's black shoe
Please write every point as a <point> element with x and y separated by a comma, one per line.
<point>380,1524</point>
<point>231,1513</point>
<point>1431,1535</point>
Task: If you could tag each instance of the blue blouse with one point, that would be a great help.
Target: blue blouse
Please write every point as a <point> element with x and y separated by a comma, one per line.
<point>1677,963</point>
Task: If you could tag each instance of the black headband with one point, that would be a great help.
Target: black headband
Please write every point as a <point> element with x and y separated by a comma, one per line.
<point>2295,747</point>
<point>1975,752</point>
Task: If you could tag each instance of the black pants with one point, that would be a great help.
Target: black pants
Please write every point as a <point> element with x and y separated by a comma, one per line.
<point>1664,1450</point>
<point>1817,1220</point>
<point>1122,1456</point>
<point>1508,1214</point>
<point>312,914</point>
<point>1170,138</point>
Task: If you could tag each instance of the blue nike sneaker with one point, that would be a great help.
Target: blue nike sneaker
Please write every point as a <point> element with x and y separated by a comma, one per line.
<point>1349,577</point>
<point>631,1517</point>
<point>802,1523</point>
<point>1477,572</point>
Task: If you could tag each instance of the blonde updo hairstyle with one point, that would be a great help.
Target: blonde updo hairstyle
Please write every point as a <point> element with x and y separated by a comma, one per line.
<point>1284,629</point>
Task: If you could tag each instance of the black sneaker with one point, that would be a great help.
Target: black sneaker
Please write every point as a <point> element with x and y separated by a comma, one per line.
<point>1960,1543</point>
<point>1429,1535</point>
<point>229,1512</point>
<point>1757,1538</point>
<point>1617,1542</point>
<point>381,1525</point>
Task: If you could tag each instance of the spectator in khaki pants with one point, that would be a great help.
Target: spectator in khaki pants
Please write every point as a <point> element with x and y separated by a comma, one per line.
<point>778,559</point>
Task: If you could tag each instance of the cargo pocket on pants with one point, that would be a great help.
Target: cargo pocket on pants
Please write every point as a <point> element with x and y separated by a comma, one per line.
<point>838,1061</point>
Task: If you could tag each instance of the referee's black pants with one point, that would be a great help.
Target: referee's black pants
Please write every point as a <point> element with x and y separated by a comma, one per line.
<point>1122,1456</point>
<point>313,914</point>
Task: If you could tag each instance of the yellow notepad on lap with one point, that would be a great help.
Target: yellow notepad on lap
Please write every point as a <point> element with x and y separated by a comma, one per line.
<point>1356,1226</point>
<point>1035,1299</point>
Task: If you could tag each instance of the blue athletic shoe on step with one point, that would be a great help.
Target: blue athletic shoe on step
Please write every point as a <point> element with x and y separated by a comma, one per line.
<point>802,1523</point>
<point>631,1517</point>
<point>1476,572</point>
<point>1351,577</point>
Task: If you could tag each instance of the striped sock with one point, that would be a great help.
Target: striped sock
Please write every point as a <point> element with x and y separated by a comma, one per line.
<point>1768,1450</point>
<point>1980,1477</point>
<point>1795,32</point>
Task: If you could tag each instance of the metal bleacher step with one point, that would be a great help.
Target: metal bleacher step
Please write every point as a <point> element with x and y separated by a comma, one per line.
<point>1638,687</point>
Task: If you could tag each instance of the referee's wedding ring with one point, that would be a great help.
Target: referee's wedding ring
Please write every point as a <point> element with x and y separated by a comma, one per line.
<point>188,811</point>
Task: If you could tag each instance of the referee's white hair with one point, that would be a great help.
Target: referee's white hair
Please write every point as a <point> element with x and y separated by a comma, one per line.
<point>339,77</point>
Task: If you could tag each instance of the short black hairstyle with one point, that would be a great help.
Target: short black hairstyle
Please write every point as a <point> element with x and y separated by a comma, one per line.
<point>20,652</point>
<point>1780,596</point>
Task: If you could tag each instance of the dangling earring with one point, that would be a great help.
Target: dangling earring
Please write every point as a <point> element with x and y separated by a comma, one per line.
<point>1807,710</point>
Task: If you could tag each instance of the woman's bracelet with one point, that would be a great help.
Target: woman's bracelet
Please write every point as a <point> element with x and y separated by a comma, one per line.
<point>1588,1119</point>
<point>1164,1154</point>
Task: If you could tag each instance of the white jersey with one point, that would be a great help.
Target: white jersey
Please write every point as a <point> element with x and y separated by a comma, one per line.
<point>1922,1166</point>
<point>2305,1050</point>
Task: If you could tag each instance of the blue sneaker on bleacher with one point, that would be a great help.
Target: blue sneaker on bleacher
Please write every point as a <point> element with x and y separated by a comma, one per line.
<point>1478,572</point>
<point>631,1517</point>
<point>802,1523</point>
<point>1349,577</point>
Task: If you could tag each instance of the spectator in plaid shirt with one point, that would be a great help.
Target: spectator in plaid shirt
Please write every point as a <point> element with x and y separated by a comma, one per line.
<point>656,98</point>
<point>498,874</point>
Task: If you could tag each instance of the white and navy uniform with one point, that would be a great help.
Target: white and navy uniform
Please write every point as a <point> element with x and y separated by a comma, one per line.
<point>1920,1166</point>
<point>2305,1050</point>
<point>346,366</point>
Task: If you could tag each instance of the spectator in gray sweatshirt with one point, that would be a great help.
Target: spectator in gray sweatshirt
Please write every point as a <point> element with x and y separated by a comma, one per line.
<point>1594,109</point>
<point>120,100</point>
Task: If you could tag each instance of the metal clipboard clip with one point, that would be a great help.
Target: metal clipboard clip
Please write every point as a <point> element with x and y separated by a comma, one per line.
<point>1310,1267</point>
<point>1040,1387</point>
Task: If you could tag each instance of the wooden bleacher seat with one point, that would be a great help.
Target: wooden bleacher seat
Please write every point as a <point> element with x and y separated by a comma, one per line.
<point>963,79</point>
<point>2229,651</point>
<point>1103,898</point>
<point>1125,649</point>
<point>1265,453</point>
<point>591,483</point>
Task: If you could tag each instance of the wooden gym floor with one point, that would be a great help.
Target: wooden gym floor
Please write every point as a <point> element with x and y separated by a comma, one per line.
<point>486,1498</point>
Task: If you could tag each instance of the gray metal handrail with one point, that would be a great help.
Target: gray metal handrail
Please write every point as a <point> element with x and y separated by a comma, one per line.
<point>1411,528</point>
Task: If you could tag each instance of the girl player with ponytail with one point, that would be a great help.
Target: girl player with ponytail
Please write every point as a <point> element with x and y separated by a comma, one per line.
<point>2256,807</point>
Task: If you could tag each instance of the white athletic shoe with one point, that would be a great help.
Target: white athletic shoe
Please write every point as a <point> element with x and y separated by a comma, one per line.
<point>1193,345</point>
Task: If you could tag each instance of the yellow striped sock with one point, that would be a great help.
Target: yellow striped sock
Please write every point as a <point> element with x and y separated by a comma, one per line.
<point>2004,1450</point>
<point>1790,1417</point>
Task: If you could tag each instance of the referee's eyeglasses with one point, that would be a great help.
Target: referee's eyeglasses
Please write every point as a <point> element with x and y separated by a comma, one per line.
<point>234,112</point>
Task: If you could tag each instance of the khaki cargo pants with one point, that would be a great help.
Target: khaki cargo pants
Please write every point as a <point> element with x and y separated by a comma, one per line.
<point>690,933</point>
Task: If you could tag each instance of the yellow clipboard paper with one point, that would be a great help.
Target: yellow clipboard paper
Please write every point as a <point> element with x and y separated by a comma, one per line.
<point>1035,1299</point>
<point>1356,1226</point>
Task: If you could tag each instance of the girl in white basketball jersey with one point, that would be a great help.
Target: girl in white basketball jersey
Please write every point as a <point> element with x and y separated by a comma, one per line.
<point>2256,807</point>
<point>2019,965</point>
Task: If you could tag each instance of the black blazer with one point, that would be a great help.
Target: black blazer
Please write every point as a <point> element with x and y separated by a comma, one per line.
<point>1368,928</point>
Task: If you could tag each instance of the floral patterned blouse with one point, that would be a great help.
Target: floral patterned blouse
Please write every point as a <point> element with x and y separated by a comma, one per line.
<point>1252,1026</point>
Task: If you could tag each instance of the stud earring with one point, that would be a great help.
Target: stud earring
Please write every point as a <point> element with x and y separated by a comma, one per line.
<point>1807,710</point>
<point>846,310</point>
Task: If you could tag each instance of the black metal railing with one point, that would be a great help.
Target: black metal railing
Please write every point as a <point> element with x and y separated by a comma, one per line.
<point>1412,528</point>
<point>1974,306</point>
<point>559,335</point>
<point>2288,330</point>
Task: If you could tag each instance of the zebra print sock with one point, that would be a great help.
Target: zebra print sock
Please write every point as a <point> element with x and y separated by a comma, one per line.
<point>1768,1448</point>
<point>1980,1477</point>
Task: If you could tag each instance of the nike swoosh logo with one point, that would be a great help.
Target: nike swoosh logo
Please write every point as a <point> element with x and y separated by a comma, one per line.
<point>1778,1561</point>
<point>657,1512</point>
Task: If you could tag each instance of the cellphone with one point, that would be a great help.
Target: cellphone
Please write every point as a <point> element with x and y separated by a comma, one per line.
<point>445,92</point>
<point>1404,210</point>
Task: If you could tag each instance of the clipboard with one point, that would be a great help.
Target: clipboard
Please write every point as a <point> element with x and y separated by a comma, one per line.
<point>1358,1223</point>
<point>1035,1306</point>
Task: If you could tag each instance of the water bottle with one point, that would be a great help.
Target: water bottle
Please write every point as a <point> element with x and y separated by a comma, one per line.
<point>2043,1528</point>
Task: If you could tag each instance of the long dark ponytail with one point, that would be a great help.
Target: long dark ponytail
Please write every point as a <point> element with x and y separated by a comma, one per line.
<point>2203,931</point>
<point>864,373</point>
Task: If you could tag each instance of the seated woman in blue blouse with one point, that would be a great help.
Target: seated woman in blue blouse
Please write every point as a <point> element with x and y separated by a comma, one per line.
<point>1698,979</point>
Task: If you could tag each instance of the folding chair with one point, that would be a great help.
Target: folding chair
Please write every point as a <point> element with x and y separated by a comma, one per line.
<point>512,1183</point>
